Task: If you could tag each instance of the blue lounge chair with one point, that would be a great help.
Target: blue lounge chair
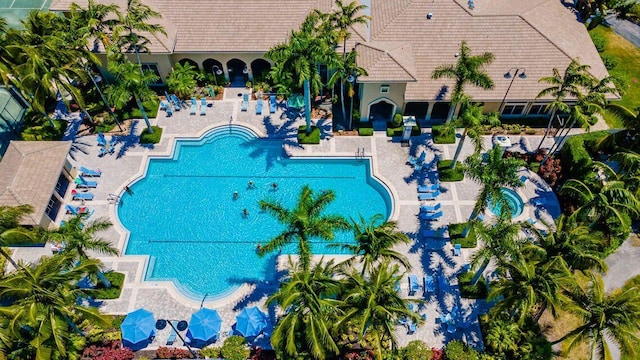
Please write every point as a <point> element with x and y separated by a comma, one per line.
<point>245,102</point>
<point>430,216</point>
<point>164,105</point>
<point>101,139</point>
<point>436,234</point>
<point>413,285</point>
<point>81,196</point>
<point>177,103</point>
<point>203,106</point>
<point>89,172</point>
<point>428,285</point>
<point>412,328</point>
<point>428,196</point>
<point>194,106</point>
<point>430,208</point>
<point>169,112</point>
<point>76,210</point>
<point>272,104</point>
<point>523,179</point>
<point>102,152</point>
<point>457,249</point>
<point>172,337</point>
<point>428,188</point>
<point>259,107</point>
<point>84,183</point>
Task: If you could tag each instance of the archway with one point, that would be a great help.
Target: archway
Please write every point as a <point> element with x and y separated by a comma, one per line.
<point>382,109</point>
<point>213,68</point>
<point>238,72</point>
<point>440,110</point>
<point>190,62</point>
<point>260,68</point>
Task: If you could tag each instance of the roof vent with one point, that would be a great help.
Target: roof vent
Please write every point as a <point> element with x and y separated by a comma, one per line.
<point>429,15</point>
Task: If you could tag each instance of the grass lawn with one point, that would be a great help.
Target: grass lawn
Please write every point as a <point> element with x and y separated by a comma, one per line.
<point>628,58</point>
<point>116,279</point>
<point>447,174</point>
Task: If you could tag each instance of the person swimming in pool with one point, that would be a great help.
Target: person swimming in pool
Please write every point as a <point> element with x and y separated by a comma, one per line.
<point>274,186</point>
<point>251,185</point>
<point>245,213</point>
<point>235,195</point>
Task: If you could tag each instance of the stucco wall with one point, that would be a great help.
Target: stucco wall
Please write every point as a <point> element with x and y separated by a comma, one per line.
<point>222,58</point>
<point>370,93</point>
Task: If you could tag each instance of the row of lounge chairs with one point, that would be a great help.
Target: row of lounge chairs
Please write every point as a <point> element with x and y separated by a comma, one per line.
<point>194,106</point>
<point>82,182</point>
<point>273,105</point>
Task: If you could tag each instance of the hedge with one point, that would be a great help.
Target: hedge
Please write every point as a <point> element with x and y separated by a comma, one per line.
<point>312,138</point>
<point>365,131</point>
<point>455,233</point>
<point>442,136</point>
<point>397,131</point>
<point>477,291</point>
<point>447,174</point>
<point>151,138</point>
<point>101,293</point>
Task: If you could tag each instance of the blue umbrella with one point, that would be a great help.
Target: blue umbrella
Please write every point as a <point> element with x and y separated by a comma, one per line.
<point>250,322</point>
<point>138,326</point>
<point>204,325</point>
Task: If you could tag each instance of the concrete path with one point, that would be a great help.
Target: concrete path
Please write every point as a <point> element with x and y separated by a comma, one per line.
<point>625,28</point>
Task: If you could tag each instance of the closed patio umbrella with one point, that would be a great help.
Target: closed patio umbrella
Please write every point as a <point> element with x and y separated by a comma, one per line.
<point>138,327</point>
<point>251,322</point>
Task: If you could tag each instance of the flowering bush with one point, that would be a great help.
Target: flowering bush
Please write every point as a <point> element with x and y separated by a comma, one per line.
<point>164,352</point>
<point>551,171</point>
<point>111,351</point>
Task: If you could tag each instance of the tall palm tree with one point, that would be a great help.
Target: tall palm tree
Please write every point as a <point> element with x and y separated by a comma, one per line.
<point>344,17</point>
<point>562,86</point>
<point>467,70</point>
<point>493,174</point>
<point>375,240</point>
<point>11,231</point>
<point>303,222</point>
<point>343,69</point>
<point>614,315</point>
<point>44,304</point>
<point>96,20</point>
<point>308,296</point>
<point>296,60</point>
<point>131,82</point>
<point>472,119</point>
<point>374,305</point>
<point>531,286</point>
<point>135,20</point>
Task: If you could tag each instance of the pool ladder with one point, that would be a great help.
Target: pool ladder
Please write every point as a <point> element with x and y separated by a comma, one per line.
<point>113,199</point>
<point>360,153</point>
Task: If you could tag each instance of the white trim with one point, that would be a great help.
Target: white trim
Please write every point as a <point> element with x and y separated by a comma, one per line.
<point>381,99</point>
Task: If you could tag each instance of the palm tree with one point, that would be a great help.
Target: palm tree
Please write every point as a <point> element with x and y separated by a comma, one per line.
<point>44,304</point>
<point>372,303</point>
<point>95,20</point>
<point>303,222</point>
<point>493,174</point>
<point>562,86</point>
<point>308,297</point>
<point>296,61</point>
<point>131,82</point>
<point>531,286</point>
<point>344,18</point>
<point>614,315</point>
<point>128,27</point>
<point>472,119</point>
<point>183,79</point>
<point>343,69</point>
<point>467,70</point>
<point>630,120</point>
<point>11,231</point>
<point>374,242</point>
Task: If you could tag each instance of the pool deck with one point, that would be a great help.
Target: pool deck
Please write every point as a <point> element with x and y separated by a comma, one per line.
<point>389,165</point>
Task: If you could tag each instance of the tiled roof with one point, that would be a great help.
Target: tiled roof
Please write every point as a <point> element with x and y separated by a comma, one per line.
<point>386,61</point>
<point>536,35</point>
<point>29,172</point>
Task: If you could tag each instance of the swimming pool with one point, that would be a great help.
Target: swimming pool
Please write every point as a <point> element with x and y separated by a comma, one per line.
<point>184,216</point>
<point>516,205</point>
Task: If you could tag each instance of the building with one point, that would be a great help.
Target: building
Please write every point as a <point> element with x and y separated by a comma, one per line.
<point>403,43</point>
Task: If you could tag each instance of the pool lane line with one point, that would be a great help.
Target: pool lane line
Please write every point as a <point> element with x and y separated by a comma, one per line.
<point>259,177</point>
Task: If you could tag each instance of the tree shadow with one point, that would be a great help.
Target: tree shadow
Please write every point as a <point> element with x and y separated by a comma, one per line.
<point>130,141</point>
<point>272,147</point>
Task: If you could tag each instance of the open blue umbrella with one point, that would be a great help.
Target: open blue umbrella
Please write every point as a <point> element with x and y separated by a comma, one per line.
<point>138,326</point>
<point>204,326</point>
<point>250,322</point>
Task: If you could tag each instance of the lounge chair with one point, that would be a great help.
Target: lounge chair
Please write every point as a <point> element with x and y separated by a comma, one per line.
<point>169,112</point>
<point>428,196</point>
<point>84,183</point>
<point>172,337</point>
<point>523,179</point>
<point>430,216</point>
<point>432,233</point>
<point>412,328</point>
<point>90,172</point>
<point>81,196</point>
<point>428,188</point>
<point>430,208</point>
<point>413,285</point>
<point>245,102</point>
<point>272,104</point>
<point>164,105</point>
<point>102,152</point>
<point>75,210</point>
<point>457,249</point>
<point>101,139</point>
<point>203,106</point>
<point>194,106</point>
<point>428,284</point>
<point>259,107</point>
<point>177,103</point>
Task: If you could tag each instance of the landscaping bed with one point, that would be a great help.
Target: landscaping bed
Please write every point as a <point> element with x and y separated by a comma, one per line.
<point>447,174</point>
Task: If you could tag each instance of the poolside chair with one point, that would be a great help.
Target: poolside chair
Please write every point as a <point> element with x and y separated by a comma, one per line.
<point>203,106</point>
<point>430,216</point>
<point>428,196</point>
<point>523,179</point>
<point>413,285</point>
<point>84,183</point>
<point>177,103</point>
<point>272,104</point>
<point>101,139</point>
<point>81,196</point>
<point>102,152</point>
<point>194,106</point>
<point>245,102</point>
<point>428,188</point>
<point>430,208</point>
<point>428,284</point>
<point>259,107</point>
<point>169,112</point>
<point>76,210</point>
<point>457,249</point>
<point>164,105</point>
<point>172,336</point>
<point>90,172</point>
<point>412,328</point>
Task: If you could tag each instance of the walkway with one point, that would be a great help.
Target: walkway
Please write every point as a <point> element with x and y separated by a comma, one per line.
<point>625,28</point>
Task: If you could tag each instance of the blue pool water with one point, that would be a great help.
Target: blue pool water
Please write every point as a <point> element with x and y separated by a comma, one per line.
<point>516,205</point>
<point>183,214</point>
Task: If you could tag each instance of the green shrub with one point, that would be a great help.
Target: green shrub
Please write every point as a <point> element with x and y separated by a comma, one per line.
<point>45,132</point>
<point>235,348</point>
<point>442,135</point>
<point>417,350</point>
<point>534,166</point>
<point>455,234</point>
<point>477,291</point>
<point>397,131</point>
<point>365,131</point>
<point>153,138</point>
<point>312,138</point>
<point>575,158</point>
<point>183,80</point>
<point>457,350</point>
<point>599,40</point>
<point>212,352</point>
<point>133,112</point>
<point>116,279</point>
<point>609,61</point>
<point>447,174</point>
<point>397,120</point>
